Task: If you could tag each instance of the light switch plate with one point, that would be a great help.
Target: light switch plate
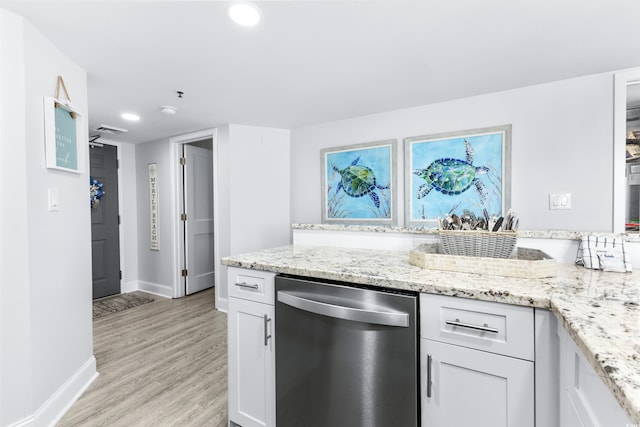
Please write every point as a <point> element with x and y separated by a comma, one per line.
<point>559,201</point>
<point>54,202</point>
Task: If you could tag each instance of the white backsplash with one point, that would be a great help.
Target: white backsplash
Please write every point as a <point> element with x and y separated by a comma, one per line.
<point>561,245</point>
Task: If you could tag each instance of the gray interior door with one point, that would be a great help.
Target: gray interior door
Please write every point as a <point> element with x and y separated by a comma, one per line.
<point>105,241</point>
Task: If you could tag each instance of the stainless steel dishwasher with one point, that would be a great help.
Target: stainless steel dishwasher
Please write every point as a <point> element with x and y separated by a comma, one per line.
<point>345,356</point>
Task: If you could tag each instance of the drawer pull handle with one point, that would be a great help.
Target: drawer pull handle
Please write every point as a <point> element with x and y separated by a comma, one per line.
<point>483,328</point>
<point>246,285</point>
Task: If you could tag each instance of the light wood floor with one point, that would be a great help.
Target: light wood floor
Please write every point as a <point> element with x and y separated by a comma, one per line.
<point>161,364</point>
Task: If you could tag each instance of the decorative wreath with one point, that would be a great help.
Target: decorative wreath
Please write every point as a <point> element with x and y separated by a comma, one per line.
<point>95,188</point>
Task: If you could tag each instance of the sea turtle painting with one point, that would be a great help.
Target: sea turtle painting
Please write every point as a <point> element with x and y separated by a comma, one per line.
<point>453,176</point>
<point>359,180</point>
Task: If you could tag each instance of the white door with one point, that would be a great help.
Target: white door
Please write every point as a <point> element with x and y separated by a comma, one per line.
<point>198,202</point>
<point>475,388</point>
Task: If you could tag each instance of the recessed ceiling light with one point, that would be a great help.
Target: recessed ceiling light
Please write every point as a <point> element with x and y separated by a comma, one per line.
<point>130,116</point>
<point>244,14</point>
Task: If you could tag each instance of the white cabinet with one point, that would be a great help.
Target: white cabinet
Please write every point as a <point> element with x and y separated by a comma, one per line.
<point>251,350</point>
<point>585,401</point>
<point>469,375</point>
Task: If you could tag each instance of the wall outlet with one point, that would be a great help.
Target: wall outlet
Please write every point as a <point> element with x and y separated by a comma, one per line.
<point>559,201</point>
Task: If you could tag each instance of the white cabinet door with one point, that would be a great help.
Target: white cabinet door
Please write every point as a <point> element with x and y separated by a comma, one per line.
<point>585,401</point>
<point>251,363</point>
<point>475,388</point>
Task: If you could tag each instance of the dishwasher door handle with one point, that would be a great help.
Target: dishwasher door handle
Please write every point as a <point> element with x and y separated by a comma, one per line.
<point>373,315</point>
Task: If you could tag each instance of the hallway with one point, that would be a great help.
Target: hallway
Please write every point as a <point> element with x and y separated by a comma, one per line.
<point>161,364</point>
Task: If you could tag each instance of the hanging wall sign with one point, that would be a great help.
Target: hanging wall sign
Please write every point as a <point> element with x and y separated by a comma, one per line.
<point>153,208</point>
<point>62,128</point>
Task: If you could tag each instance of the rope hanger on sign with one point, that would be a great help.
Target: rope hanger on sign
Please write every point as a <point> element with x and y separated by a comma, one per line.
<point>59,84</point>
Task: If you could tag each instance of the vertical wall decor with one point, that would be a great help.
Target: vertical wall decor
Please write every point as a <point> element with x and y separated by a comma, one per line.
<point>457,171</point>
<point>63,127</point>
<point>358,184</point>
<point>153,208</point>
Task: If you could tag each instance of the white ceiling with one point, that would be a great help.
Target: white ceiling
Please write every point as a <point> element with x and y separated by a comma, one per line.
<point>310,62</point>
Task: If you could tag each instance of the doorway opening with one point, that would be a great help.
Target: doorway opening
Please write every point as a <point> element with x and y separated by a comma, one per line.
<point>624,183</point>
<point>632,155</point>
<point>194,224</point>
<point>197,215</point>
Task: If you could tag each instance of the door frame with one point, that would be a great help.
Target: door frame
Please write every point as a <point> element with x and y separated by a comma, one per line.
<point>621,80</point>
<point>177,231</point>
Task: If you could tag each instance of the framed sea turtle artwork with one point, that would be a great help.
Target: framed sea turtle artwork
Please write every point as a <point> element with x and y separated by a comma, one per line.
<point>457,171</point>
<point>359,184</point>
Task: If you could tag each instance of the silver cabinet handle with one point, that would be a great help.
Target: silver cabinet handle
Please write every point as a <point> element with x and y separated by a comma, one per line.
<point>429,360</point>
<point>267,335</point>
<point>246,285</point>
<point>375,316</point>
<point>483,328</point>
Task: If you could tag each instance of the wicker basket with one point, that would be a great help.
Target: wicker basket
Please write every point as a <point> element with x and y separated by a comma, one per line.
<point>499,244</point>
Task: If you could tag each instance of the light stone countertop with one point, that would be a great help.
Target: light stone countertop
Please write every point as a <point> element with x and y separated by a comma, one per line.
<point>599,310</point>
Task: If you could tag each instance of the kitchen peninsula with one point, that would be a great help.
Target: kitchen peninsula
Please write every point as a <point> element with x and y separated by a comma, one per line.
<point>598,310</point>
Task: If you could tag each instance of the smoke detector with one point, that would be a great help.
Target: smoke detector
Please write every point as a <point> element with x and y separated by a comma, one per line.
<point>168,109</point>
<point>110,129</point>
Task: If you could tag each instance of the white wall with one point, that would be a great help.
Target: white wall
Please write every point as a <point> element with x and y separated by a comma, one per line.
<point>155,268</point>
<point>253,177</point>
<point>15,312</point>
<point>562,142</point>
<point>46,256</point>
<point>259,188</point>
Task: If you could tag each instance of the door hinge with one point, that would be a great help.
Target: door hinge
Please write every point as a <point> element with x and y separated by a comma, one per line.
<point>183,217</point>
<point>183,161</point>
<point>184,272</point>
<point>120,274</point>
<point>118,219</point>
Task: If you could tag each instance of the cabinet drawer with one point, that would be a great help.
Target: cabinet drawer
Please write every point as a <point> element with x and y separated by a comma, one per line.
<point>251,285</point>
<point>487,326</point>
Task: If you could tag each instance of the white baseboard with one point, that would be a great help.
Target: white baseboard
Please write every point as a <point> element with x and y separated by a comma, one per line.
<point>222,304</point>
<point>155,289</point>
<point>26,422</point>
<point>59,403</point>
<point>127,287</point>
